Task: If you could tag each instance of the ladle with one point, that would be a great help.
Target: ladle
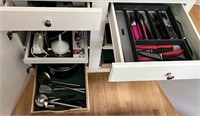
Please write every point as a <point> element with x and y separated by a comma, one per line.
<point>44,78</point>
<point>41,100</point>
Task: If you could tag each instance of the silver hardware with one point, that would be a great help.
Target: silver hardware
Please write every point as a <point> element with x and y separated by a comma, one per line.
<point>169,76</point>
<point>9,34</point>
<point>47,23</point>
<point>29,69</point>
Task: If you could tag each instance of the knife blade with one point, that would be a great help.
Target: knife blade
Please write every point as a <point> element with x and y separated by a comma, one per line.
<point>159,56</point>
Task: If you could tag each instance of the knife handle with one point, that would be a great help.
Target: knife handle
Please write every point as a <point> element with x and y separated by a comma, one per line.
<point>135,32</point>
<point>144,30</point>
<point>173,53</point>
<point>143,58</point>
<point>172,58</point>
<point>139,31</point>
<point>153,47</point>
<point>164,46</point>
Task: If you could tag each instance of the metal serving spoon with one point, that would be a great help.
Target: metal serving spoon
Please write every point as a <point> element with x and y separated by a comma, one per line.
<point>44,78</point>
<point>42,100</point>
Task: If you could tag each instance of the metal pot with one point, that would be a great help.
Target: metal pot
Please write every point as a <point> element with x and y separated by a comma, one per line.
<point>62,70</point>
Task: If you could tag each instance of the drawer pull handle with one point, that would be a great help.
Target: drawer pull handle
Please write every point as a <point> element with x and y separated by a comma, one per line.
<point>169,76</point>
<point>47,23</point>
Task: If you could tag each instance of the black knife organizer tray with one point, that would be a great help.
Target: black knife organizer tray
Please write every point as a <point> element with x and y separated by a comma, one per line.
<point>124,10</point>
<point>77,77</point>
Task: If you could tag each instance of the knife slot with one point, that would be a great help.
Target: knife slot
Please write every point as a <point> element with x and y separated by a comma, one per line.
<point>152,25</point>
<point>146,24</point>
<point>122,31</point>
<point>174,22</point>
<point>163,30</point>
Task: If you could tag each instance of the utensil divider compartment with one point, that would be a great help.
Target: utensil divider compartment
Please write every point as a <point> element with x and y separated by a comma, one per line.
<point>124,13</point>
<point>75,98</point>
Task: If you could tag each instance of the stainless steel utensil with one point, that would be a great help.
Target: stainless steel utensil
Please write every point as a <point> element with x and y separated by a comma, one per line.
<point>42,100</point>
<point>44,78</point>
<point>50,90</point>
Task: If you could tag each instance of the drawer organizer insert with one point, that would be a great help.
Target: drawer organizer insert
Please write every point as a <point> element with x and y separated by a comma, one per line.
<point>72,97</point>
<point>152,32</point>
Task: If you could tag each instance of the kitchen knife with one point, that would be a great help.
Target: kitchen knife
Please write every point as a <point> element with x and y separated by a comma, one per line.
<point>171,53</point>
<point>159,56</point>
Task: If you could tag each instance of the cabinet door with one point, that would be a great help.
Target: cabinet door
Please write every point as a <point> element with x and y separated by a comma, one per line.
<point>155,70</point>
<point>50,18</point>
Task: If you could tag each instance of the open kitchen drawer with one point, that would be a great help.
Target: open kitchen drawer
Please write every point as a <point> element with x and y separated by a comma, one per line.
<point>74,98</point>
<point>74,54</point>
<point>18,18</point>
<point>127,69</point>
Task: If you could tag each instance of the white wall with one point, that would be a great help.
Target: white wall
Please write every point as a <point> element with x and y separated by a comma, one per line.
<point>13,76</point>
<point>198,2</point>
<point>184,95</point>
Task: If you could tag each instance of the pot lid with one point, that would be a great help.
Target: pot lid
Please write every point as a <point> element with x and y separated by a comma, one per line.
<point>59,46</point>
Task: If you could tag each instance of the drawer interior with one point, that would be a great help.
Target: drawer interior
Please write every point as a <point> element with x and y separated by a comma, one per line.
<point>56,4</point>
<point>74,49</point>
<point>154,31</point>
<point>77,98</point>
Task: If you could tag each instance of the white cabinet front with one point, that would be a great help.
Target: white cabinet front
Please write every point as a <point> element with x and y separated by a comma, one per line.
<point>49,18</point>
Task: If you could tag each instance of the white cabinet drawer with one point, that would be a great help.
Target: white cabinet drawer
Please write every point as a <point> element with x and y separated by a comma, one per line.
<point>154,70</point>
<point>138,71</point>
<point>69,57</point>
<point>60,18</point>
<point>80,77</point>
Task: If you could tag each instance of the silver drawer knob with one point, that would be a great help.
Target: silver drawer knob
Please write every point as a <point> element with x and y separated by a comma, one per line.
<point>169,76</point>
<point>47,23</point>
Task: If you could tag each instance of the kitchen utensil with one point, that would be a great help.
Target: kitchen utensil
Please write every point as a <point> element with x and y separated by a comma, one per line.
<point>60,46</point>
<point>171,53</point>
<point>143,26</point>
<point>147,26</point>
<point>62,70</point>
<point>153,47</point>
<point>44,78</point>
<point>161,26</point>
<point>50,90</point>
<point>134,28</point>
<point>161,50</point>
<point>169,27</point>
<point>42,100</point>
<point>138,21</point>
<point>153,25</point>
<point>159,56</point>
